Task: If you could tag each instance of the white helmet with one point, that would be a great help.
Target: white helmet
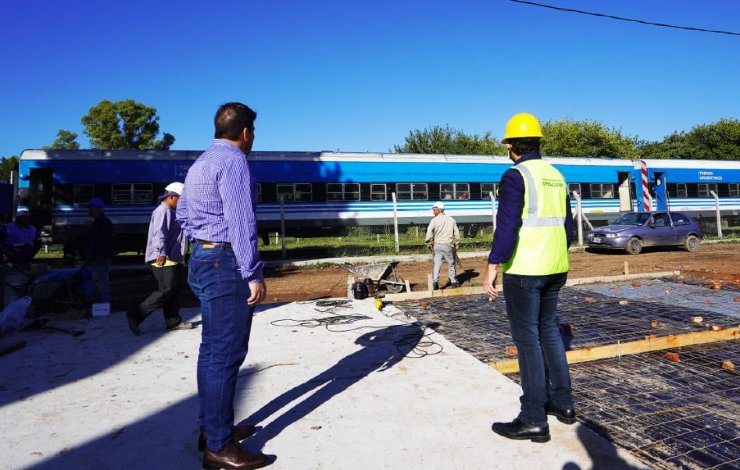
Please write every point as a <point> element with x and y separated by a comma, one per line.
<point>439,205</point>
<point>175,187</point>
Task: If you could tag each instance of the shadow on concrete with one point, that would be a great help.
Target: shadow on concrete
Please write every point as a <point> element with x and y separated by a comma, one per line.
<point>601,450</point>
<point>52,359</point>
<point>382,349</point>
<point>164,440</point>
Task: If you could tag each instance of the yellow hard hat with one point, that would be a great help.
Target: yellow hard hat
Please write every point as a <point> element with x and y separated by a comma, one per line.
<point>522,125</point>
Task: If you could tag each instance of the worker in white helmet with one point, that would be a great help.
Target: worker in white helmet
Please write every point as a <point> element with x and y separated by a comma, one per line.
<point>443,238</point>
<point>165,249</point>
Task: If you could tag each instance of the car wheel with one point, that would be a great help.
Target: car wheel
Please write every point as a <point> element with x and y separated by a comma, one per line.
<point>634,246</point>
<point>691,243</point>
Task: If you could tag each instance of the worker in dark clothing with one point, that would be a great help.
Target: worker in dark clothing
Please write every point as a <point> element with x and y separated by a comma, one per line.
<point>21,243</point>
<point>100,248</point>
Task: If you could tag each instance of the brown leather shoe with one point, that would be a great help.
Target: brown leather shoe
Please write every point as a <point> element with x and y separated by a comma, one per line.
<point>234,457</point>
<point>240,432</point>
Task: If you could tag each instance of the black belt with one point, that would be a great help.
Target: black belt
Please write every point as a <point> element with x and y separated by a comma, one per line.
<point>207,244</point>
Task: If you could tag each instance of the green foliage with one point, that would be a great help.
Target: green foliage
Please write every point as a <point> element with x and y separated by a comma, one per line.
<point>571,138</point>
<point>124,125</point>
<point>445,140</point>
<point>8,164</point>
<point>718,141</point>
<point>65,140</point>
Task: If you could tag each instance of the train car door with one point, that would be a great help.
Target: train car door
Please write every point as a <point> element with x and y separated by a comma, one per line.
<point>40,201</point>
<point>661,195</point>
<point>625,196</point>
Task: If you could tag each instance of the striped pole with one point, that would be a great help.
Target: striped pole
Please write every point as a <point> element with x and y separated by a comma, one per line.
<point>646,199</point>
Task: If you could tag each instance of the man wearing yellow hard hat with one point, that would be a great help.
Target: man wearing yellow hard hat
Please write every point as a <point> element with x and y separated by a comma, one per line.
<point>534,228</point>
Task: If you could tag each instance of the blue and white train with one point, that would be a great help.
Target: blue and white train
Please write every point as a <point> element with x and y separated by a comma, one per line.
<point>318,190</point>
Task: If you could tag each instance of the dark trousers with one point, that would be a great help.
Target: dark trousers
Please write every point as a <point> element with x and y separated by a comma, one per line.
<point>167,296</point>
<point>214,277</point>
<point>531,305</point>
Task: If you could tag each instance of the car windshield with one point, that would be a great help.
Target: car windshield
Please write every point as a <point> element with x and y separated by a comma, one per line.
<point>633,218</point>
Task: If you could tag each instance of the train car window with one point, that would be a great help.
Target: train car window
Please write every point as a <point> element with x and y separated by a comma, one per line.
<point>143,193</point>
<point>82,193</point>
<point>705,188</point>
<point>343,192</point>
<point>734,189</point>
<point>681,190</point>
<point>294,192</point>
<point>602,190</point>
<point>486,188</point>
<point>303,192</point>
<point>285,192</point>
<point>132,193</point>
<point>415,191</point>
<point>574,188</point>
<point>377,192</point>
<point>454,191</point>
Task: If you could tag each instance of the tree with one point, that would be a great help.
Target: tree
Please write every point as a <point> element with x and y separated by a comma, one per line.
<point>445,140</point>
<point>571,138</point>
<point>8,164</point>
<point>718,141</point>
<point>124,125</point>
<point>65,140</point>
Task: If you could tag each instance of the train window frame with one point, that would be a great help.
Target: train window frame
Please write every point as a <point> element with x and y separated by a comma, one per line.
<point>298,192</point>
<point>414,192</point>
<point>733,189</point>
<point>682,190</point>
<point>132,193</point>
<point>597,190</point>
<point>376,194</point>
<point>259,192</point>
<point>574,187</point>
<point>454,191</point>
<point>80,198</point>
<point>341,193</point>
<point>704,188</point>
<point>484,193</point>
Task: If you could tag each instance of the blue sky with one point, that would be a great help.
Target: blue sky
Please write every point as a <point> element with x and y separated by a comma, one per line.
<point>359,75</point>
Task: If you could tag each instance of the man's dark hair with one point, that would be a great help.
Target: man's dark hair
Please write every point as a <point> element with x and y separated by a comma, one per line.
<point>524,145</point>
<point>231,119</point>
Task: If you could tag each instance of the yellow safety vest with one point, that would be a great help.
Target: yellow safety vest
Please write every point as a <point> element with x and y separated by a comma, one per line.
<point>542,246</point>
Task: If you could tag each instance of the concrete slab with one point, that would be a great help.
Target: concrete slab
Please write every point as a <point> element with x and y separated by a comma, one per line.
<point>328,390</point>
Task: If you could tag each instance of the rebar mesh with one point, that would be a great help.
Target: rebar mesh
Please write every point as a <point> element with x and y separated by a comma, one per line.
<point>667,413</point>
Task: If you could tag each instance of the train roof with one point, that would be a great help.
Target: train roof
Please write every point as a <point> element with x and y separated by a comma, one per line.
<point>371,157</point>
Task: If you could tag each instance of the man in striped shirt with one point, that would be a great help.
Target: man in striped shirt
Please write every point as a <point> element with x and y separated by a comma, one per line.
<point>217,213</point>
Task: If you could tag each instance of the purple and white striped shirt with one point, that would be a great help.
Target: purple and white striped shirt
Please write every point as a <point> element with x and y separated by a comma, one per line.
<point>218,204</point>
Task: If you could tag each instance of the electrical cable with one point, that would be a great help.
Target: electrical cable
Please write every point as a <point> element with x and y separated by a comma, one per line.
<point>418,343</point>
<point>621,18</point>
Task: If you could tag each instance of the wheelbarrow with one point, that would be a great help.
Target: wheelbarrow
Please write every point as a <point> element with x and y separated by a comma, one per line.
<point>381,274</point>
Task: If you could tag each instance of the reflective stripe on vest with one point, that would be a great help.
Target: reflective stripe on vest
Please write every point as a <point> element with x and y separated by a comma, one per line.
<point>542,246</point>
<point>533,219</point>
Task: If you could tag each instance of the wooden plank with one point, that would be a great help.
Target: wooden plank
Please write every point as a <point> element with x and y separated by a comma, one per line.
<point>607,351</point>
<point>477,290</point>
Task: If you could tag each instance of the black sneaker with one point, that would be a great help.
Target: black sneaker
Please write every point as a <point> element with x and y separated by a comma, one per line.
<point>435,286</point>
<point>455,284</point>
<point>133,324</point>
<point>183,325</point>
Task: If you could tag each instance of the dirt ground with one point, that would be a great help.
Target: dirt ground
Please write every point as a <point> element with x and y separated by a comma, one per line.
<point>715,264</point>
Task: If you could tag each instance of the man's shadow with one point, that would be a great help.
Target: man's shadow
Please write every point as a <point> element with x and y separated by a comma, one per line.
<point>382,349</point>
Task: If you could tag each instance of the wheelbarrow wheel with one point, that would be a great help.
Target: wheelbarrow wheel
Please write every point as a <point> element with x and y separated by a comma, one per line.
<point>394,288</point>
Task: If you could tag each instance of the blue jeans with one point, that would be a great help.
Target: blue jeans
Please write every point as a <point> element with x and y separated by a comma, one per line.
<point>531,305</point>
<point>227,320</point>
